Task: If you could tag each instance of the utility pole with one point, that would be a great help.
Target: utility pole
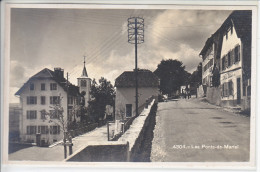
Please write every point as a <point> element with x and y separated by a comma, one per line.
<point>136,36</point>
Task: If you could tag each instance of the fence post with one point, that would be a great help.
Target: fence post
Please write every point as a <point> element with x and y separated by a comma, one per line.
<point>107,131</point>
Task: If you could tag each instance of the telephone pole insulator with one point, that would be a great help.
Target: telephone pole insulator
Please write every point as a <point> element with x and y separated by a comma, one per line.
<point>136,36</point>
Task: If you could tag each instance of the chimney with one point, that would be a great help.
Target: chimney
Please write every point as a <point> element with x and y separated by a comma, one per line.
<point>59,73</point>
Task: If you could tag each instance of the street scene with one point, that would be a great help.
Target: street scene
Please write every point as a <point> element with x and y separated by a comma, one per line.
<point>209,130</point>
<point>130,85</point>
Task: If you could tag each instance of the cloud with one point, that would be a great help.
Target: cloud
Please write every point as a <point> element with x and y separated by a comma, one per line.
<point>191,27</point>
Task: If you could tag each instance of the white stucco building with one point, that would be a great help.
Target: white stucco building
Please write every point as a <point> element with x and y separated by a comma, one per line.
<point>125,92</point>
<point>235,73</point>
<point>42,92</point>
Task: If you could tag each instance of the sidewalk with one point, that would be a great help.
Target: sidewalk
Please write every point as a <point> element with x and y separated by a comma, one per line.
<point>231,109</point>
<point>56,153</point>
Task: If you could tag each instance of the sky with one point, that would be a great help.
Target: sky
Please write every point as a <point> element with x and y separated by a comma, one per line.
<point>49,38</point>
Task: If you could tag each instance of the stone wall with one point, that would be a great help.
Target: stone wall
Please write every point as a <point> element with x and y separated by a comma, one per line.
<point>125,149</point>
<point>214,95</point>
<point>106,152</point>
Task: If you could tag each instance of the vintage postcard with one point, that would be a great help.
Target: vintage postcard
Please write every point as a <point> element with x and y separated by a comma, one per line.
<point>130,85</point>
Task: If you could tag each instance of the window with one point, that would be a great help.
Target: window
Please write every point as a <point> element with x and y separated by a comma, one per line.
<point>237,53</point>
<point>54,114</point>
<point>128,110</point>
<point>229,59</point>
<point>31,86</point>
<point>53,86</point>
<point>210,80</point>
<point>83,83</point>
<point>31,130</point>
<point>43,101</point>
<point>42,86</point>
<point>227,89</point>
<point>70,100</point>
<point>43,115</point>
<point>223,63</point>
<point>55,129</point>
<point>31,114</point>
<point>43,129</point>
<point>226,35</point>
<point>231,30</point>
<point>31,100</point>
<point>230,88</point>
<point>244,88</point>
<point>54,100</point>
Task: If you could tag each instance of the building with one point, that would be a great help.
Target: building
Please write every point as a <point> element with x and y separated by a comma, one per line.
<point>227,60</point>
<point>125,92</point>
<point>210,55</point>
<point>235,73</point>
<point>42,92</point>
<point>15,112</point>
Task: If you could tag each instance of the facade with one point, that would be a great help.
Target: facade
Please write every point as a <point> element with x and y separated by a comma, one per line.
<point>227,53</point>
<point>125,92</point>
<point>15,113</point>
<point>42,92</point>
<point>235,74</point>
<point>210,55</point>
<point>84,83</point>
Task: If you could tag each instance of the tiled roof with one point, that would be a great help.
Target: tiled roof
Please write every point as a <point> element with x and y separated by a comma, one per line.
<point>146,78</point>
<point>49,74</point>
<point>242,20</point>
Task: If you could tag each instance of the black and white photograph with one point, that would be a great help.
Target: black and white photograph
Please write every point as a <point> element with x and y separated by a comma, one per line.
<point>154,84</point>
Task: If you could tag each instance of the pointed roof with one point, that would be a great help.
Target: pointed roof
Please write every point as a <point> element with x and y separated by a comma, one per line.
<point>84,72</point>
<point>49,74</point>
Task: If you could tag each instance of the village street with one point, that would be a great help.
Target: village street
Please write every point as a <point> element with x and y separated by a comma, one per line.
<point>194,131</point>
<point>56,153</point>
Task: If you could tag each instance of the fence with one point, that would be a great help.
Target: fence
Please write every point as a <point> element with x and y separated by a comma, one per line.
<point>124,125</point>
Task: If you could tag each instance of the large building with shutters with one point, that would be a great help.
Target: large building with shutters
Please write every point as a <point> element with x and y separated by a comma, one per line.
<point>227,53</point>
<point>41,93</point>
<point>235,71</point>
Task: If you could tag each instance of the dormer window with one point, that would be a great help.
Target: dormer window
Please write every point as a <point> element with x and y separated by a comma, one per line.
<point>31,86</point>
<point>226,35</point>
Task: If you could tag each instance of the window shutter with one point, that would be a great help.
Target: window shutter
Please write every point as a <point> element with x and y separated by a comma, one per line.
<point>239,53</point>
<point>232,56</point>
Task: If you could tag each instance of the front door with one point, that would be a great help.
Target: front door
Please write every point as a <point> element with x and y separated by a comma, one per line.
<point>238,91</point>
<point>128,110</point>
<point>38,139</point>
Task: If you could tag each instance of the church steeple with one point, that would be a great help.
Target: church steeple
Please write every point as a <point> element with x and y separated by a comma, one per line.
<point>84,72</point>
<point>84,84</point>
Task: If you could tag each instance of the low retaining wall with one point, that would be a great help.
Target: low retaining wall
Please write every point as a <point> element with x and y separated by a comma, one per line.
<point>104,152</point>
<point>214,95</point>
<point>125,149</point>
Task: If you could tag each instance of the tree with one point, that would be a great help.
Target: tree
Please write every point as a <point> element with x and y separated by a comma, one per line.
<point>102,94</point>
<point>215,76</point>
<point>56,115</point>
<point>172,75</point>
<point>196,76</point>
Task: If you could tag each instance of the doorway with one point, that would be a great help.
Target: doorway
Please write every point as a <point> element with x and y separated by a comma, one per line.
<point>238,91</point>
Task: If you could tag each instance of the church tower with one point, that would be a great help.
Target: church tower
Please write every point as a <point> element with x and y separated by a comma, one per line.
<point>84,84</point>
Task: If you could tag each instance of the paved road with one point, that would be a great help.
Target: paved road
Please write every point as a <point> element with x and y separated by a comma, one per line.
<point>193,131</point>
<point>56,153</point>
